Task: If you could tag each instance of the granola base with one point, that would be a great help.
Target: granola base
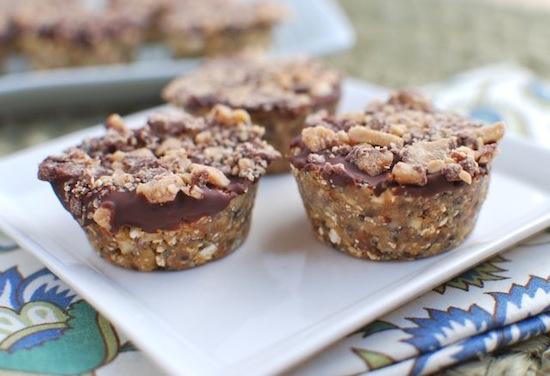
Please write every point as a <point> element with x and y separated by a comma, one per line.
<point>192,244</point>
<point>222,42</point>
<point>49,53</point>
<point>393,225</point>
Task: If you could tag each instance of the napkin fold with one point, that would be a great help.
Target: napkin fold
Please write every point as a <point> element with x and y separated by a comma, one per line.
<point>498,303</point>
<point>45,327</point>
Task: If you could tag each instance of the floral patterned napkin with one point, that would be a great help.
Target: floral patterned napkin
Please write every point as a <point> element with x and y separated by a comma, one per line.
<point>45,328</point>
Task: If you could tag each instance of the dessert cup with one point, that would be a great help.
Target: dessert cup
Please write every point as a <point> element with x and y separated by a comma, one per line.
<point>67,33</point>
<point>398,181</point>
<point>219,27</point>
<point>173,194</point>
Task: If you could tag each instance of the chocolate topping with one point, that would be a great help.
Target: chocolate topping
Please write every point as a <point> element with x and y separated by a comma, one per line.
<point>175,169</point>
<point>256,84</point>
<point>131,209</point>
<point>214,16</point>
<point>403,143</point>
<point>72,20</point>
<point>340,172</point>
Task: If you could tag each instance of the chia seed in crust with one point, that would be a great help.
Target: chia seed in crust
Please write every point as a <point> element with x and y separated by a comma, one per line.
<point>173,194</point>
<point>68,33</point>
<point>278,94</point>
<point>398,181</point>
<point>216,27</point>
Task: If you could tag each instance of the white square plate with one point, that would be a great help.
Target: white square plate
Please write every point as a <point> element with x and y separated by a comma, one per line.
<point>283,295</point>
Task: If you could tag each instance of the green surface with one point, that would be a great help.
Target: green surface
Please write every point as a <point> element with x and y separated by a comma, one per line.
<point>413,42</point>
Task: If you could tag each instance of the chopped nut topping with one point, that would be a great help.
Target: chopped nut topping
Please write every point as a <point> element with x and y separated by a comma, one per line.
<point>224,115</point>
<point>342,137</point>
<point>102,217</point>
<point>398,129</point>
<point>435,166</point>
<point>318,138</point>
<point>75,21</point>
<point>486,153</point>
<point>360,134</point>
<point>122,179</point>
<point>465,177</point>
<point>405,173</point>
<point>255,83</point>
<point>161,190</point>
<point>169,144</point>
<point>461,153</point>
<point>404,135</point>
<point>116,123</point>
<point>452,172</point>
<point>410,100</point>
<point>207,17</point>
<point>421,153</point>
<point>491,133</point>
<point>371,160</point>
<point>212,174</point>
<point>174,152</point>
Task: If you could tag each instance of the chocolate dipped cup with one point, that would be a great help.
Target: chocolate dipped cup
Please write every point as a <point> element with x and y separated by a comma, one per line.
<point>398,181</point>
<point>63,33</point>
<point>218,27</point>
<point>173,194</point>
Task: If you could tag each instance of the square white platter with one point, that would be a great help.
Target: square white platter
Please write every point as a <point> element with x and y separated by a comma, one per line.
<point>283,295</point>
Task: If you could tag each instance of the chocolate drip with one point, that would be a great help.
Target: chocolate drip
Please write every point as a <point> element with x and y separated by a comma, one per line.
<point>436,184</point>
<point>57,186</point>
<point>340,172</point>
<point>131,209</point>
<point>239,185</point>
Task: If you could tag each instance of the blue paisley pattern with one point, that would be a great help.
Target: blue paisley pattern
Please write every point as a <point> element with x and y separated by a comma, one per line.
<point>432,334</point>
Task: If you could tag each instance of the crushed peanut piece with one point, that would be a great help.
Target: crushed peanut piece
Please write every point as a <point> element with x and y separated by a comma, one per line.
<point>371,160</point>
<point>358,134</point>
<point>435,166</point>
<point>225,115</point>
<point>422,152</point>
<point>213,175</point>
<point>405,173</point>
<point>318,138</point>
<point>102,216</point>
<point>465,177</point>
<point>491,133</point>
<point>164,189</point>
<point>256,83</point>
<point>116,123</point>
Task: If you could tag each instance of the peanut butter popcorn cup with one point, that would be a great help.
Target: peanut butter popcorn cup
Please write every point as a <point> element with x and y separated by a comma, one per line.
<point>278,94</point>
<point>67,33</point>
<point>174,194</point>
<point>219,27</point>
<point>398,181</point>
